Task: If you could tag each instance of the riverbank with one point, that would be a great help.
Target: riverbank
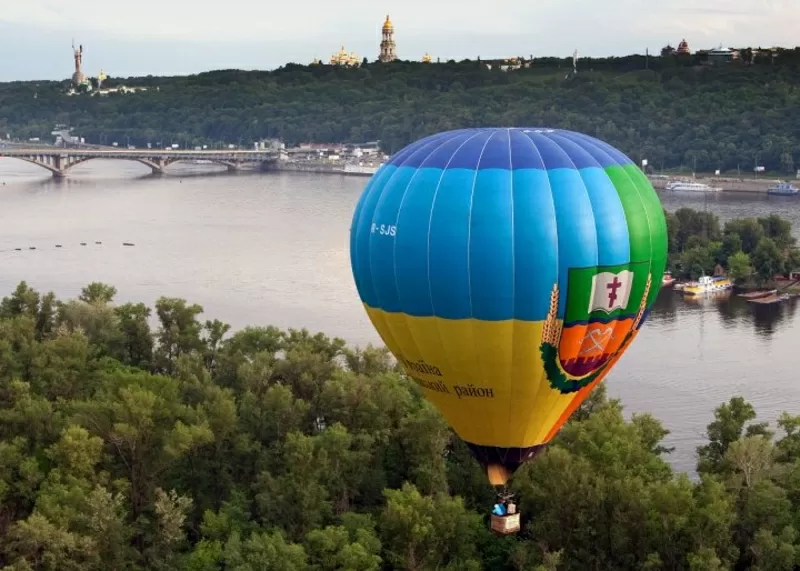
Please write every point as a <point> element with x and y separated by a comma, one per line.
<point>323,168</point>
<point>758,186</point>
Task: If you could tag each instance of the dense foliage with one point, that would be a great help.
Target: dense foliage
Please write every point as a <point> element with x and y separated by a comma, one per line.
<point>752,250</point>
<point>673,111</point>
<point>194,449</point>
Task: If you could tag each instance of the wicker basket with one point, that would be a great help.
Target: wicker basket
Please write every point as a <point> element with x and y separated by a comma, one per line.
<point>505,524</point>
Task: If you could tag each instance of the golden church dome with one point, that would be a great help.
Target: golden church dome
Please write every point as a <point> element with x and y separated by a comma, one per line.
<point>387,25</point>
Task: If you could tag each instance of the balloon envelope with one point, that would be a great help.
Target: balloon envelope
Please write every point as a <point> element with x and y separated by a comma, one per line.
<point>508,270</point>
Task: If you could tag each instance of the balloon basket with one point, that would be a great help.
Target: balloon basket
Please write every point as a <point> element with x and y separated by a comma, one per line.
<point>505,524</point>
<point>505,517</point>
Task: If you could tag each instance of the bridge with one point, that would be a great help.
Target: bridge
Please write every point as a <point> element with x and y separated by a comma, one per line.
<point>59,160</point>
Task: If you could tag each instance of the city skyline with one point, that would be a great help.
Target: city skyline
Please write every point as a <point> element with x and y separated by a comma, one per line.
<point>183,40</point>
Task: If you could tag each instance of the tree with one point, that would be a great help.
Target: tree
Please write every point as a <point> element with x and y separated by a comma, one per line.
<point>748,230</point>
<point>697,261</point>
<point>768,259</point>
<point>728,426</point>
<point>97,292</point>
<point>191,449</point>
<point>779,229</point>
<point>422,532</point>
<point>740,267</point>
<point>731,243</point>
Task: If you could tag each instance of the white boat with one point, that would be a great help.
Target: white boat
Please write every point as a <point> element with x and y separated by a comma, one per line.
<point>360,169</point>
<point>783,189</point>
<point>690,186</point>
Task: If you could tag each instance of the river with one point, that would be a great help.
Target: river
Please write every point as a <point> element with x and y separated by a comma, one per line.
<point>273,249</point>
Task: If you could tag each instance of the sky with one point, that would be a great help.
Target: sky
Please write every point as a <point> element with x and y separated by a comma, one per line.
<point>179,37</point>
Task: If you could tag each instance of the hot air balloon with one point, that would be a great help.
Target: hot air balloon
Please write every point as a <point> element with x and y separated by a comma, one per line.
<point>508,269</point>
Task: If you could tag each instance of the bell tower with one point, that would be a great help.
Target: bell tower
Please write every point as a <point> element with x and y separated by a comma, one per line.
<point>387,42</point>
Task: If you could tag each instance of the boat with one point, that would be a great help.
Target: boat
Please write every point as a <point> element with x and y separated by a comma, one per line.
<point>361,170</point>
<point>680,185</point>
<point>708,284</point>
<point>759,293</point>
<point>667,280</point>
<point>783,189</point>
<point>775,298</point>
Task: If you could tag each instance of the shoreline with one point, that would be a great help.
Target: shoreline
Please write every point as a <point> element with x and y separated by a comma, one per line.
<point>752,186</point>
<point>289,166</point>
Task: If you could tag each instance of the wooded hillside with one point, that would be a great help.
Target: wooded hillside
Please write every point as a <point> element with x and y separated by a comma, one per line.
<point>680,111</point>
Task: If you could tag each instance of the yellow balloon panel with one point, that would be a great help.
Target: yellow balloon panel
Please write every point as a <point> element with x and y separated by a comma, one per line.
<point>486,377</point>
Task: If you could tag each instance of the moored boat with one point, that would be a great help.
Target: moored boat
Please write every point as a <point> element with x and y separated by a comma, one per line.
<point>708,284</point>
<point>759,293</point>
<point>783,189</point>
<point>366,170</point>
<point>680,185</point>
<point>774,298</point>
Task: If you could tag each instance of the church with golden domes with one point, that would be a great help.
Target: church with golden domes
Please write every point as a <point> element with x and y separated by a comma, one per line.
<point>386,54</point>
<point>341,58</point>
<point>345,59</point>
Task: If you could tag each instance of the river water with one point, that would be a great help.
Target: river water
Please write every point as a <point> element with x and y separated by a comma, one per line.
<point>273,249</point>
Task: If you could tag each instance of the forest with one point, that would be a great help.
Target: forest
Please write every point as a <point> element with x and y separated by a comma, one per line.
<point>751,250</point>
<point>678,112</point>
<point>137,438</point>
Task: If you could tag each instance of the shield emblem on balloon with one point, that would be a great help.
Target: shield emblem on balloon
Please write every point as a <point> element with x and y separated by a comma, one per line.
<point>604,307</point>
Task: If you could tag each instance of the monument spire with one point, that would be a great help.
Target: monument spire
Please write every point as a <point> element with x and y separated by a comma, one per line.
<point>78,78</point>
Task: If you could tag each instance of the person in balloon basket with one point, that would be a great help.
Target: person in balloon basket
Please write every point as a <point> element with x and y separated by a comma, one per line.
<point>504,508</point>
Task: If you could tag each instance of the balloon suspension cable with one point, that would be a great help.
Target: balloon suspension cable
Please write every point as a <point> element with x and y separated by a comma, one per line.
<point>504,494</point>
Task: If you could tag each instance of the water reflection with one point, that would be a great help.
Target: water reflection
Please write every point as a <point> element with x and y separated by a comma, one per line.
<point>734,312</point>
<point>702,302</point>
<point>665,306</point>
<point>767,318</point>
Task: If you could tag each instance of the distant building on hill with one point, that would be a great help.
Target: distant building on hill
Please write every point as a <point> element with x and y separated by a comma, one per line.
<point>506,64</point>
<point>342,58</point>
<point>722,55</point>
<point>387,52</point>
<point>718,55</point>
